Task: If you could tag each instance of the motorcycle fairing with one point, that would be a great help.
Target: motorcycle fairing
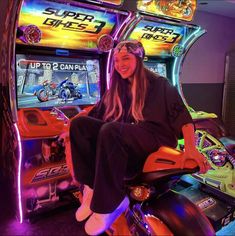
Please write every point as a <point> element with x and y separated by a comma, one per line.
<point>167,158</point>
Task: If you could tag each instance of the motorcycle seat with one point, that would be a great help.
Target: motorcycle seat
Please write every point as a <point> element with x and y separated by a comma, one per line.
<point>229,143</point>
<point>158,176</point>
<point>163,165</point>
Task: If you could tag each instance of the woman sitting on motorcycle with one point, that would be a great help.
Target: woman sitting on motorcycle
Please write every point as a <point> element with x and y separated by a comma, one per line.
<point>140,112</point>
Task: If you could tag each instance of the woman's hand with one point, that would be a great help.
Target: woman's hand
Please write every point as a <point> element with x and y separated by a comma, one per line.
<point>194,154</point>
<point>191,152</point>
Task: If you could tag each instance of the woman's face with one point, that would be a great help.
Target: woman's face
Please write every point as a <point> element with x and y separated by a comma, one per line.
<point>125,63</point>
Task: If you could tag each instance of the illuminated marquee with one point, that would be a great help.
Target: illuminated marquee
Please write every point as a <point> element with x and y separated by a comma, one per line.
<point>158,38</point>
<point>177,9</point>
<point>73,21</point>
<point>159,34</point>
<point>66,26</point>
<point>111,2</point>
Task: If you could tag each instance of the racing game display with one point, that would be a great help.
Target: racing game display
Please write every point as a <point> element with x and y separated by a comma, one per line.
<point>157,67</point>
<point>47,81</point>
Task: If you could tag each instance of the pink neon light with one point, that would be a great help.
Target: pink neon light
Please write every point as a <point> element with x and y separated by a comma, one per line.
<point>107,70</point>
<point>109,54</point>
<point>19,173</point>
<point>124,22</point>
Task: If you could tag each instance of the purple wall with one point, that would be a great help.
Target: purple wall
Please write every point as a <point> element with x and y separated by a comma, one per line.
<point>205,61</point>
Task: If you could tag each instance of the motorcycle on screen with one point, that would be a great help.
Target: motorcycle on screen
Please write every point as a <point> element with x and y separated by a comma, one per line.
<point>64,90</point>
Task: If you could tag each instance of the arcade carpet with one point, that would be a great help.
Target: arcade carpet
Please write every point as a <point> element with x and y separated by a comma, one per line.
<point>63,223</point>
<point>57,223</point>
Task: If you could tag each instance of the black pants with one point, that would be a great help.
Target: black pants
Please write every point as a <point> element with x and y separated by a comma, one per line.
<point>104,153</point>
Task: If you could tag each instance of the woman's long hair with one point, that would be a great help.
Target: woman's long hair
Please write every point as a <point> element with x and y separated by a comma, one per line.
<point>139,84</point>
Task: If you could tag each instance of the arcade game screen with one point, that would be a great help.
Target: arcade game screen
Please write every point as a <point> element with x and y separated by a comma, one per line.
<point>50,81</point>
<point>157,67</point>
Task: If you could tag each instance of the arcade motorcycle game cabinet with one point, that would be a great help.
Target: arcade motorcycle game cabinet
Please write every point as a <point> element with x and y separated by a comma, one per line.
<point>164,29</point>
<point>55,58</point>
<point>9,146</point>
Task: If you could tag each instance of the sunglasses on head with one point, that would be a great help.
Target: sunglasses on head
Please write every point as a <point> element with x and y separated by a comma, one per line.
<point>133,47</point>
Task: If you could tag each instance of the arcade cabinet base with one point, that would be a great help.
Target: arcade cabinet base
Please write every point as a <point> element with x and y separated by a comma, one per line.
<point>66,201</point>
<point>219,212</point>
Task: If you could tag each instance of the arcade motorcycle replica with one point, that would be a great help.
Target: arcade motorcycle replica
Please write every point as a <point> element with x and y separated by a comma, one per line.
<point>64,90</point>
<point>218,147</point>
<point>214,142</point>
<point>154,208</point>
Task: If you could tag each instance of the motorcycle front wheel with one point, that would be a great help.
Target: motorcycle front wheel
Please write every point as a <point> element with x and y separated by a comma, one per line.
<point>64,93</point>
<point>42,95</point>
<point>177,214</point>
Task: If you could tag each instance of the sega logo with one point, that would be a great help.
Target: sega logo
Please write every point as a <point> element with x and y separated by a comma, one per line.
<point>50,172</point>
